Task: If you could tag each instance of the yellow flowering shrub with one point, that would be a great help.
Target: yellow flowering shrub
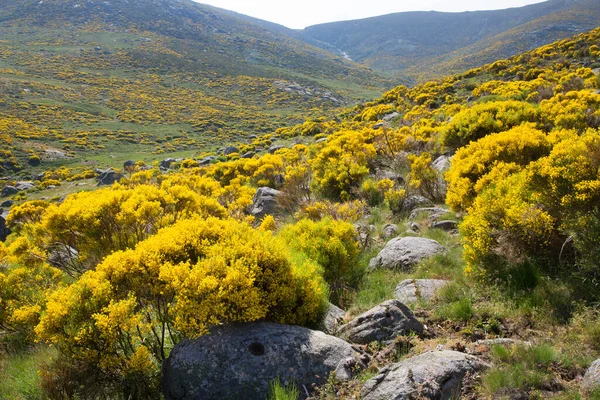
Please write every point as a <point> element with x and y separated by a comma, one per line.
<point>574,110</point>
<point>178,283</point>
<point>481,163</point>
<point>424,178</point>
<point>374,191</point>
<point>333,245</point>
<point>349,211</point>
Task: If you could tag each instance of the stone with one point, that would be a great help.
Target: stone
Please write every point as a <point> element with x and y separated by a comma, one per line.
<point>382,323</point>
<point>4,231</point>
<point>431,213</point>
<point>413,290</point>
<point>230,150</point>
<point>432,375</point>
<point>206,161</point>
<point>396,178</point>
<point>166,163</point>
<point>8,191</point>
<point>445,225</point>
<point>413,202</point>
<point>390,231</point>
<point>321,140</point>
<point>379,125</point>
<point>129,164</point>
<point>413,227</point>
<point>591,379</point>
<point>275,147</point>
<point>62,256</point>
<point>249,154</point>
<point>24,185</point>
<point>404,253</point>
<point>333,319</point>
<point>239,361</point>
<point>109,177</point>
<point>442,163</point>
<point>7,204</point>
<point>364,233</point>
<point>265,202</point>
<point>390,117</point>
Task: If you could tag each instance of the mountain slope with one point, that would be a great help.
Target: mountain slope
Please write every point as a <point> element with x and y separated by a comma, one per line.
<point>411,41</point>
<point>95,79</point>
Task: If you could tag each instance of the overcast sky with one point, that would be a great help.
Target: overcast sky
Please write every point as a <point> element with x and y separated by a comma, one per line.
<point>303,13</point>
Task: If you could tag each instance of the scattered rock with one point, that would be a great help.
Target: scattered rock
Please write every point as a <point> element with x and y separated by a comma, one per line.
<point>265,202</point>
<point>413,290</point>
<point>62,256</point>
<point>4,231</point>
<point>503,342</point>
<point>431,213</point>
<point>166,163</point>
<point>433,375</point>
<point>382,323</point>
<point>8,191</point>
<point>390,117</point>
<point>34,162</point>
<point>321,140</point>
<point>230,150</point>
<point>129,164</point>
<point>413,202</point>
<point>334,318</point>
<point>445,225</point>
<point>53,154</point>
<point>591,379</point>
<point>239,361</point>
<point>249,154</point>
<point>109,177</point>
<point>24,185</point>
<point>413,227</point>
<point>7,204</point>
<point>379,125</point>
<point>390,231</point>
<point>442,163</point>
<point>364,233</point>
<point>275,147</point>
<point>397,178</point>
<point>206,161</point>
<point>404,253</point>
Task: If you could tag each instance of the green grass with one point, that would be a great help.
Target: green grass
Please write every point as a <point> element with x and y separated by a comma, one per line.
<point>279,391</point>
<point>377,286</point>
<point>19,378</point>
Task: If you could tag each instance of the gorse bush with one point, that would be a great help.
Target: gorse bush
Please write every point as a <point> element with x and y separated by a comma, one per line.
<point>124,316</point>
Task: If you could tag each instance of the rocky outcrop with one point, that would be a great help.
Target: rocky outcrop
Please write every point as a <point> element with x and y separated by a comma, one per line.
<point>431,213</point>
<point>24,185</point>
<point>413,290</point>
<point>404,253</point>
<point>442,163</point>
<point>333,319</point>
<point>206,160</point>
<point>109,177</point>
<point>433,375</point>
<point>239,361</point>
<point>390,231</point>
<point>445,225</point>
<point>275,147</point>
<point>591,379</point>
<point>8,190</point>
<point>230,150</point>
<point>412,202</point>
<point>265,202</point>
<point>382,323</point>
<point>4,231</point>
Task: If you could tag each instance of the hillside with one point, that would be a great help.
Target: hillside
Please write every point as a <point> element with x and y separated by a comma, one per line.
<point>93,80</point>
<point>433,44</point>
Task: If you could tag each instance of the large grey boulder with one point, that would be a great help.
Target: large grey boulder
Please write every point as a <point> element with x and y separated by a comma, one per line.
<point>275,147</point>
<point>4,231</point>
<point>109,177</point>
<point>166,163</point>
<point>239,361</point>
<point>446,225</point>
<point>442,163</point>
<point>8,190</point>
<point>591,379</point>
<point>24,185</point>
<point>265,202</point>
<point>7,204</point>
<point>413,290</point>
<point>230,150</point>
<point>433,375</point>
<point>63,256</point>
<point>382,323</point>
<point>390,231</point>
<point>334,318</point>
<point>206,161</point>
<point>404,253</point>
<point>433,214</point>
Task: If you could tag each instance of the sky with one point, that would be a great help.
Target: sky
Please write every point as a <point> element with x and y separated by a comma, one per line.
<point>300,14</point>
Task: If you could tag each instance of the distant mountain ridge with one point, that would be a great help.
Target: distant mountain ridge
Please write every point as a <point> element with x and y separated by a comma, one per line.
<point>427,43</point>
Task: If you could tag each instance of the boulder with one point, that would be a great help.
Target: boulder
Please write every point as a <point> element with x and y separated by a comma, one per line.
<point>591,379</point>
<point>230,150</point>
<point>7,204</point>
<point>166,163</point>
<point>109,177</point>
<point>431,213</point>
<point>445,225</point>
<point>8,191</point>
<point>129,164</point>
<point>413,290</point>
<point>432,375</point>
<point>364,233</point>
<point>379,125</point>
<point>414,202</point>
<point>442,163</point>
<point>390,117</point>
<point>404,253</point>
<point>321,140</point>
<point>206,161</point>
<point>382,323</point>
<point>397,178</point>
<point>265,202</point>
<point>4,231</point>
<point>390,231</point>
<point>333,319</point>
<point>275,147</point>
<point>413,227</point>
<point>24,185</point>
<point>62,256</point>
<point>239,361</point>
<point>249,154</point>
